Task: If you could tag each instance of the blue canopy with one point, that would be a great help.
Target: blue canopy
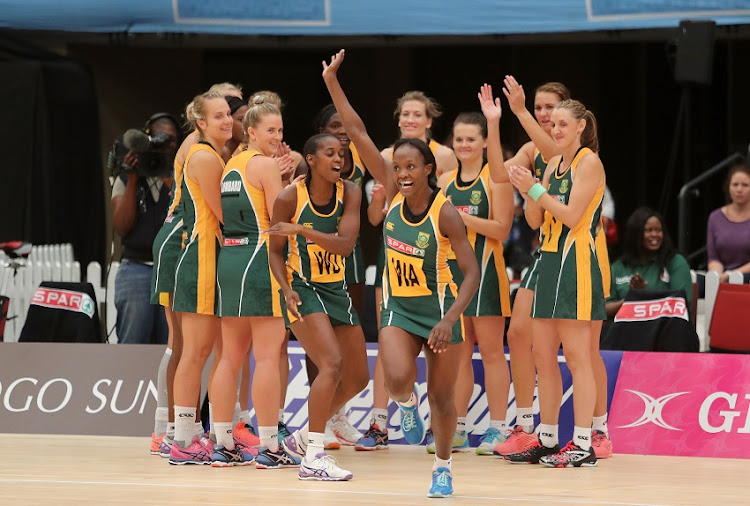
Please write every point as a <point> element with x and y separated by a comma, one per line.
<point>363,17</point>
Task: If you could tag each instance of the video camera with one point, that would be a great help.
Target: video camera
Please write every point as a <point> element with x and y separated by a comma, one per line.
<point>155,155</point>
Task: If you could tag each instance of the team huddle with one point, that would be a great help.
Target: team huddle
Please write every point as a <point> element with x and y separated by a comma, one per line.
<point>261,242</point>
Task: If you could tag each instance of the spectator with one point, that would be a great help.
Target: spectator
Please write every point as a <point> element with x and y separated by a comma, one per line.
<point>728,238</point>
<point>139,207</point>
<point>648,261</point>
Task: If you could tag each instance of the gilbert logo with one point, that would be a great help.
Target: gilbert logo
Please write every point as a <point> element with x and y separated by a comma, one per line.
<point>67,300</point>
<point>639,311</point>
<point>652,411</point>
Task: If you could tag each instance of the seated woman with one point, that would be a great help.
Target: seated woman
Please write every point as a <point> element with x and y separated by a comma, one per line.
<point>648,261</point>
<point>728,234</point>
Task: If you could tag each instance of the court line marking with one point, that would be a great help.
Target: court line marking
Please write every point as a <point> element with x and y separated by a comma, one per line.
<point>325,491</point>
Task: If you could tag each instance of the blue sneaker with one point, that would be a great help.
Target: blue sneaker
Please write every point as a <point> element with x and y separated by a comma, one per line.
<point>283,432</point>
<point>412,425</point>
<point>223,457</point>
<point>460,442</point>
<point>279,459</point>
<point>442,483</point>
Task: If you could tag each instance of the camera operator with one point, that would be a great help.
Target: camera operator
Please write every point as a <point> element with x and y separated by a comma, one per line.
<point>142,163</point>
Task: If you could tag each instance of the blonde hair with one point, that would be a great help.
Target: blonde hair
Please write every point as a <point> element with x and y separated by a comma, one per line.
<point>432,108</point>
<point>559,89</point>
<point>265,97</point>
<point>226,88</point>
<point>195,110</point>
<point>589,136</point>
<point>255,114</point>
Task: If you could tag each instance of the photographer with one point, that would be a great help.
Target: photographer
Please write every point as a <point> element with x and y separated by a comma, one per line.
<point>142,164</point>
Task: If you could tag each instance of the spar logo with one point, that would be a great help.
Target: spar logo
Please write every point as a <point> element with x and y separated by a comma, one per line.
<point>640,311</point>
<point>67,300</point>
<point>725,408</point>
<point>472,210</point>
<point>405,248</point>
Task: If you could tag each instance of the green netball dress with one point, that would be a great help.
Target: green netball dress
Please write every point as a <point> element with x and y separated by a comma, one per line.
<point>569,280</point>
<point>529,279</point>
<point>246,286</point>
<point>168,244</point>
<point>418,287</point>
<point>315,274</point>
<point>355,264</point>
<point>475,198</point>
<point>195,275</point>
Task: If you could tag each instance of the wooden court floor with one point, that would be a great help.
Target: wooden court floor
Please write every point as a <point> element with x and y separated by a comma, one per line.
<point>64,470</point>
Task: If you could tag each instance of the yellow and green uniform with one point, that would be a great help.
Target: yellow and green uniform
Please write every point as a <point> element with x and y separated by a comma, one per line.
<point>529,279</point>
<point>168,244</point>
<point>195,276</point>
<point>418,287</point>
<point>246,286</point>
<point>475,198</point>
<point>569,280</point>
<point>355,263</point>
<point>317,275</point>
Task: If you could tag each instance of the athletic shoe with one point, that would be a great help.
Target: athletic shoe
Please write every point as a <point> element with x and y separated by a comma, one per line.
<point>228,458</point>
<point>532,455</point>
<point>442,483</point>
<point>601,444</point>
<point>329,438</point>
<point>245,433</point>
<point>492,437</point>
<point>460,442</point>
<point>571,455</point>
<point>283,432</point>
<point>156,443</point>
<point>166,447</point>
<point>279,459</point>
<point>344,431</point>
<point>294,446</point>
<point>516,441</point>
<point>412,425</point>
<point>250,450</point>
<point>323,468</point>
<point>373,439</point>
<point>200,451</point>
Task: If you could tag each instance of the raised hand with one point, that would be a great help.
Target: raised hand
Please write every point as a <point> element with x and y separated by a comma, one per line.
<point>491,107</point>
<point>329,70</point>
<point>282,150</point>
<point>515,95</point>
<point>286,166</point>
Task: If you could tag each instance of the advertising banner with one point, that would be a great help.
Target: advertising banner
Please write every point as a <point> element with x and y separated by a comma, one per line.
<point>685,404</point>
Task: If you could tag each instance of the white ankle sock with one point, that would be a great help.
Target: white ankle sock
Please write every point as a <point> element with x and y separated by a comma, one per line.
<point>161,418</point>
<point>525,418</point>
<point>548,435</point>
<point>442,463</point>
<point>223,431</point>
<point>245,416</point>
<point>582,437</point>
<point>461,424</point>
<point>184,427</point>
<point>381,418</point>
<point>314,446</point>
<point>499,425</point>
<point>269,437</point>
<point>281,415</point>
<point>600,423</point>
<point>236,414</point>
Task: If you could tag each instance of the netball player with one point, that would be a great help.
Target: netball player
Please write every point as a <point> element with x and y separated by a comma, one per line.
<point>535,154</point>
<point>249,301</point>
<point>568,295</point>
<point>167,248</point>
<point>195,275</point>
<point>415,113</point>
<point>320,218</point>
<point>486,209</point>
<point>422,307</point>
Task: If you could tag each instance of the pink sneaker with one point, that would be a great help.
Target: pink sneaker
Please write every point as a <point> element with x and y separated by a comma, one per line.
<point>517,441</point>
<point>244,433</point>
<point>199,452</point>
<point>601,444</point>
<point>242,445</point>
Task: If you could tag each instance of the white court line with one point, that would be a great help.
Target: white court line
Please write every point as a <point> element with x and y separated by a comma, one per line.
<point>324,491</point>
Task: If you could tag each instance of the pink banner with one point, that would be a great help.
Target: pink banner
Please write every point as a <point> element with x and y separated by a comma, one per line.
<point>686,404</point>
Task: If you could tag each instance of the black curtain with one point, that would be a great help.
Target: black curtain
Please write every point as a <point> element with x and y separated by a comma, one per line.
<point>51,188</point>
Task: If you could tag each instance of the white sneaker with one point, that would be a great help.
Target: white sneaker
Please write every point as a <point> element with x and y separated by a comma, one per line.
<point>323,468</point>
<point>329,439</point>
<point>344,431</point>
